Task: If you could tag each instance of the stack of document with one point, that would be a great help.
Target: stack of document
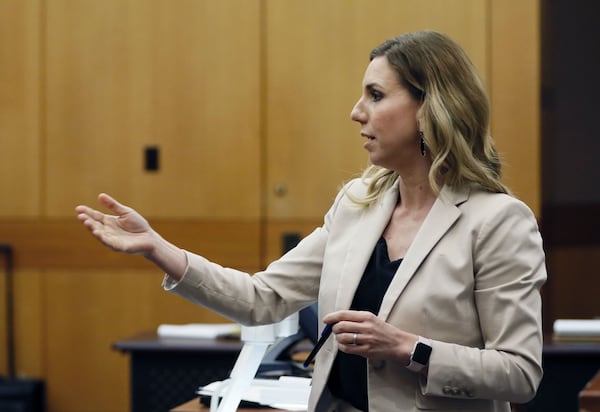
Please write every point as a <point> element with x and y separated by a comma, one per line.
<point>577,329</point>
<point>288,392</point>
<point>200,330</point>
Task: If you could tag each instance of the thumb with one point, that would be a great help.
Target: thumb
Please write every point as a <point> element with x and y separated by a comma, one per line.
<point>112,204</point>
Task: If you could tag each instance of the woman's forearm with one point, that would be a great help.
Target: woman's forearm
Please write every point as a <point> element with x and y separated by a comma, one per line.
<point>168,257</point>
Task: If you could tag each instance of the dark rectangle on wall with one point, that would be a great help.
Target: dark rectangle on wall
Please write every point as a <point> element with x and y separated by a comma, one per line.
<point>151,159</point>
<point>571,225</point>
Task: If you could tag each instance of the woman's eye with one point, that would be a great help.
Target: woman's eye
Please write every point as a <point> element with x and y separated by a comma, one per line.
<point>376,96</point>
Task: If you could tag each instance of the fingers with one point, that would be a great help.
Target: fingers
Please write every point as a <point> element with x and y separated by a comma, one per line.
<point>352,329</point>
<point>112,204</point>
<point>354,343</point>
<point>350,339</point>
<point>353,339</point>
<point>92,213</point>
<point>348,316</point>
<point>92,219</point>
<point>85,212</point>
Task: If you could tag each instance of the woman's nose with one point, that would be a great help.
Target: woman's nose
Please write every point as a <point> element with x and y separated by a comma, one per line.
<point>357,114</point>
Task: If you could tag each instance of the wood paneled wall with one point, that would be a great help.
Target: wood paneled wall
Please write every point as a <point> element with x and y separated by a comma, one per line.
<point>311,90</point>
<point>571,205</point>
<point>514,67</point>
<point>21,68</point>
<point>248,103</point>
<point>182,76</point>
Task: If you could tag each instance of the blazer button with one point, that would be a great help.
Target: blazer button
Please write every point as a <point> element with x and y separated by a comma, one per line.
<point>468,393</point>
<point>378,365</point>
<point>451,390</point>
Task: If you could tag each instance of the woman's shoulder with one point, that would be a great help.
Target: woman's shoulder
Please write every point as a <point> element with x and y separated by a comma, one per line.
<point>486,202</point>
<point>356,186</point>
<point>357,190</point>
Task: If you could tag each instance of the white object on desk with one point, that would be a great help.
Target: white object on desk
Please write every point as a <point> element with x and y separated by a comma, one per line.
<point>287,392</point>
<point>577,327</point>
<point>198,330</point>
<point>241,383</point>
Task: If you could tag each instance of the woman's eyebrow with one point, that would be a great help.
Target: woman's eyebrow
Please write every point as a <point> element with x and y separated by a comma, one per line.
<point>372,86</point>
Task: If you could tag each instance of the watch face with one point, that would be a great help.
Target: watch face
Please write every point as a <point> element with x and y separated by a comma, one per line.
<point>422,353</point>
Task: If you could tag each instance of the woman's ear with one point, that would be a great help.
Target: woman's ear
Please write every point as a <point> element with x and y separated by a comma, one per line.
<point>420,122</point>
<point>420,114</point>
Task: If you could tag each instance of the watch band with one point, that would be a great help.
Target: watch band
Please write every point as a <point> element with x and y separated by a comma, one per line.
<point>419,357</point>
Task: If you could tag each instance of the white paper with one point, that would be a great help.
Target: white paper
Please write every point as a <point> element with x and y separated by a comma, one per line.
<point>288,392</point>
<point>577,327</point>
<point>198,330</point>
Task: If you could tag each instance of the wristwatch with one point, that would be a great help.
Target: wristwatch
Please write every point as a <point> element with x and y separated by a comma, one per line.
<point>419,357</point>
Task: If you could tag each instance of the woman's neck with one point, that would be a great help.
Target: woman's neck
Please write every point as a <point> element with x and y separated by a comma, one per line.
<point>415,193</point>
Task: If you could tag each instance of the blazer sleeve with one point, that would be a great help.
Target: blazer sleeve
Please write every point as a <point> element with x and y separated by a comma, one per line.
<point>509,270</point>
<point>284,287</point>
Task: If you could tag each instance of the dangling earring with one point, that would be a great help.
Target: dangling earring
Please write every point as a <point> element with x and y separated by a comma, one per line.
<point>422,143</point>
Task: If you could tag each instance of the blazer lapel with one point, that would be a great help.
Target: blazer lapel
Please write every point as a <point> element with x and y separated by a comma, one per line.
<point>441,217</point>
<point>368,231</point>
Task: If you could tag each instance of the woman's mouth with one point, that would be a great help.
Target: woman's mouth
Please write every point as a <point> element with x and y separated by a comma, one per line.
<point>368,136</point>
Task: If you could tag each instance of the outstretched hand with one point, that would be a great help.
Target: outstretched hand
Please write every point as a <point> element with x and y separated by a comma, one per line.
<point>124,231</point>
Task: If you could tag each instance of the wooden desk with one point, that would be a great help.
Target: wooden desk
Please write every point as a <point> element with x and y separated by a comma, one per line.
<point>195,406</point>
<point>167,372</point>
<point>589,397</point>
<point>568,367</point>
<point>190,406</point>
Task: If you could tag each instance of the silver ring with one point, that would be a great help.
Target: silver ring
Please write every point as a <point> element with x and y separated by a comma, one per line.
<point>354,339</point>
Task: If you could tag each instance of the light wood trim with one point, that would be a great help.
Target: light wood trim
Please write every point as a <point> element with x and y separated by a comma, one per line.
<point>67,244</point>
<point>515,94</point>
<point>20,67</point>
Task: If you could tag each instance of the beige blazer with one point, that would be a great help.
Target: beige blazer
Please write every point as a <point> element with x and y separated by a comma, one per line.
<point>470,282</point>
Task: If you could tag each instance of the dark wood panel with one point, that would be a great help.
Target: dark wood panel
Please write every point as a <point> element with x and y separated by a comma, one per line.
<point>67,244</point>
<point>573,282</point>
<point>589,398</point>
<point>571,225</point>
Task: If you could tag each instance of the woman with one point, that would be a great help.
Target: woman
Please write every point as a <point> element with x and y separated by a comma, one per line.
<point>427,268</point>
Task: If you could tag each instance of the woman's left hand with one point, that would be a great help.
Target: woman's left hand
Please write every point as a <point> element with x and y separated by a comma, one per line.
<point>362,333</point>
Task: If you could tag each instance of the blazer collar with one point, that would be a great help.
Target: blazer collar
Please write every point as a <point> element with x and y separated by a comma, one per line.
<point>440,218</point>
<point>365,235</point>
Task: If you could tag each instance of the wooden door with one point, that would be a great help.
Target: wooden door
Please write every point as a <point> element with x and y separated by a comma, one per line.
<point>317,52</point>
<point>183,77</point>
<point>20,126</point>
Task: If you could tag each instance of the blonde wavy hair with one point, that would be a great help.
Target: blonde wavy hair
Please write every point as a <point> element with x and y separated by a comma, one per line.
<point>454,114</point>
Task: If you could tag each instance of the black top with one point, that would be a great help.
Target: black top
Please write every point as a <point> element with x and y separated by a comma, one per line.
<point>348,378</point>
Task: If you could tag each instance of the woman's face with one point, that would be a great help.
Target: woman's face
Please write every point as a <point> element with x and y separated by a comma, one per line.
<point>387,114</point>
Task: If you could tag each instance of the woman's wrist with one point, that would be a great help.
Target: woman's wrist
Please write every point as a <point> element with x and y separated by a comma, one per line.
<point>171,259</point>
<point>408,343</point>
